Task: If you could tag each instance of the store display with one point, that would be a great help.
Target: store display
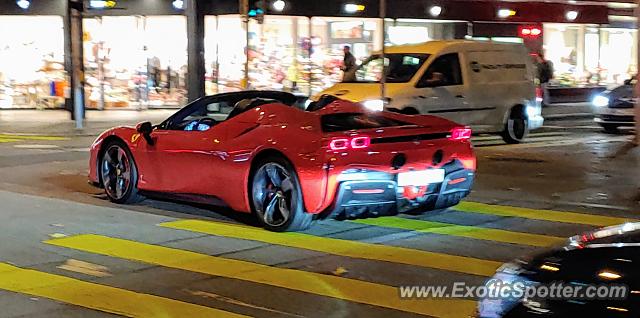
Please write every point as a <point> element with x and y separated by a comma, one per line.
<point>32,72</point>
<point>144,69</point>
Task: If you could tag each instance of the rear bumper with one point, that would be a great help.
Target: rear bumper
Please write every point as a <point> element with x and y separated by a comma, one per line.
<point>379,194</point>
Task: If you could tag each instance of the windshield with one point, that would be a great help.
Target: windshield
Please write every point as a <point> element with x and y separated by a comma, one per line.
<point>400,68</point>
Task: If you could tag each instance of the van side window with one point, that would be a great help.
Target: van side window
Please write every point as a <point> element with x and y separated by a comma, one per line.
<point>444,71</point>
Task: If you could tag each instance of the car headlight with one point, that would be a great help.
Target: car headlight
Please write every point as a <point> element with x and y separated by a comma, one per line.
<point>374,105</point>
<point>600,101</point>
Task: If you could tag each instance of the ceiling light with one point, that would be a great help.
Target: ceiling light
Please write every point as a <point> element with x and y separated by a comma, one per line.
<point>572,15</point>
<point>178,4</point>
<point>435,11</point>
<point>279,5</point>
<point>23,4</point>
<point>353,8</point>
<point>505,13</point>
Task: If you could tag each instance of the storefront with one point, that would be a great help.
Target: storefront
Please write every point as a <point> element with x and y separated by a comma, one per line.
<point>300,54</point>
<point>32,72</point>
<point>585,54</point>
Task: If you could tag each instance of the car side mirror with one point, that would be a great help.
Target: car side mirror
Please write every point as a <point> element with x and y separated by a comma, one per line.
<point>145,129</point>
<point>628,81</point>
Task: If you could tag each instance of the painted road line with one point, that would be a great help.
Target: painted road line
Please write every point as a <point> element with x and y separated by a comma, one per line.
<point>4,139</point>
<point>473,232</point>
<point>308,282</point>
<point>33,137</point>
<point>100,297</point>
<point>543,215</point>
<point>354,249</point>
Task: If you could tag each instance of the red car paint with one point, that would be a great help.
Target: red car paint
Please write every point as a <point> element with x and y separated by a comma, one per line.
<point>217,162</point>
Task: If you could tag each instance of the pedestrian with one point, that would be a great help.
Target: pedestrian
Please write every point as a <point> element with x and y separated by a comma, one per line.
<point>348,64</point>
<point>545,75</point>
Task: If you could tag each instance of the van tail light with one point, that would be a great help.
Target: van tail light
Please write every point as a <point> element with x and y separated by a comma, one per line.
<point>460,133</point>
<point>360,142</point>
<point>539,94</point>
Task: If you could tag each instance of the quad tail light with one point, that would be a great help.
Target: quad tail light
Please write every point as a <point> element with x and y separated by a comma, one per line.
<point>460,133</point>
<point>360,142</point>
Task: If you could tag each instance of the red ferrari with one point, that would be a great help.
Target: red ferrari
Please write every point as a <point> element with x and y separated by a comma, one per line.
<point>258,152</point>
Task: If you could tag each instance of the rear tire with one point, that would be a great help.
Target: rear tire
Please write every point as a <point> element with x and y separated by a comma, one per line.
<point>610,128</point>
<point>517,127</point>
<point>276,196</point>
<point>119,174</point>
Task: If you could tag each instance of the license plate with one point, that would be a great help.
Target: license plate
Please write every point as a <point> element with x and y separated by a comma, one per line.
<point>420,178</point>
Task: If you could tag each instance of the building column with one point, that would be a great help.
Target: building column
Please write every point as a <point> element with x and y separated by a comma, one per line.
<point>195,50</point>
<point>74,61</point>
<point>580,50</point>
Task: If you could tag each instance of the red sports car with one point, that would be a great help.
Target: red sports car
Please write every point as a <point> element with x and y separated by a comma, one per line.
<point>258,152</point>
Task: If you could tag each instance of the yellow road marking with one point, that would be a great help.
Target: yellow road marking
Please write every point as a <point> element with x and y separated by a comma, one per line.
<point>99,297</point>
<point>313,283</point>
<point>544,215</point>
<point>464,231</point>
<point>31,137</point>
<point>4,139</point>
<point>340,247</point>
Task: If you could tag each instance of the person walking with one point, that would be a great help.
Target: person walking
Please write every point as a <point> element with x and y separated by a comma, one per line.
<point>545,75</point>
<point>348,64</point>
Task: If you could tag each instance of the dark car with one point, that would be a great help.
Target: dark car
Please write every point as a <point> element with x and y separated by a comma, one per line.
<point>609,257</point>
<point>614,108</point>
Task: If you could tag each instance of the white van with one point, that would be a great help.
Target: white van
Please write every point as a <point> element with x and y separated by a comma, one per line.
<point>489,86</point>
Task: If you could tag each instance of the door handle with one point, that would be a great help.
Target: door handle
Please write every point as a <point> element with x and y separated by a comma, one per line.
<point>459,96</point>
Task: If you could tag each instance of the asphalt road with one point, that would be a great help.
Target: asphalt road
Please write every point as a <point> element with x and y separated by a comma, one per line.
<point>68,252</point>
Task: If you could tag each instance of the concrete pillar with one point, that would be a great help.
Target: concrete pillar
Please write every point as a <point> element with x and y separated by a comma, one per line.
<point>637,139</point>
<point>74,61</point>
<point>195,50</point>
<point>580,50</point>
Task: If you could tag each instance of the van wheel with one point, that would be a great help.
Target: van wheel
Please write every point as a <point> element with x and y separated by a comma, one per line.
<point>517,127</point>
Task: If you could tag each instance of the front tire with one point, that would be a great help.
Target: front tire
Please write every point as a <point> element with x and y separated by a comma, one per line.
<point>517,127</point>
<point>276,196</point>
<point>119,175</point>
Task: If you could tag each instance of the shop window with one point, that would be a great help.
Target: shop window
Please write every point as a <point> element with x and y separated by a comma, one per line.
<point>135,61</point>
<point>32,62</point>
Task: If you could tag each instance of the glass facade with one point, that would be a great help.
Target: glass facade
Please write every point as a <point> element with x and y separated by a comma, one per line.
<point>586,54</point>
<point>135,61</point>
<point>298,54</point>
<point>32,71</point>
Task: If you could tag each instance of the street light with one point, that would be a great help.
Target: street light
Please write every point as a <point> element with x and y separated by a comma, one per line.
<point>435,11</point>
<point>23,4</point>
<point>279,5</point>
<point>571,15</point>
